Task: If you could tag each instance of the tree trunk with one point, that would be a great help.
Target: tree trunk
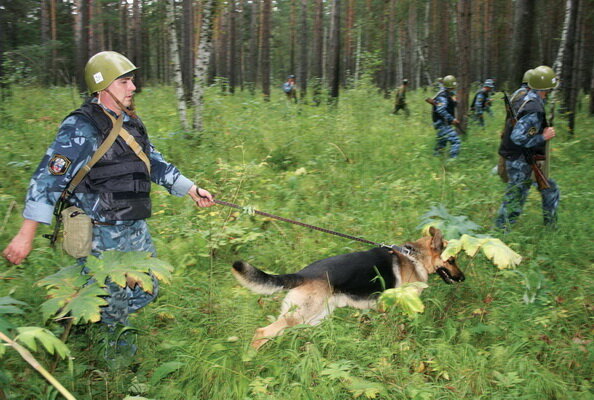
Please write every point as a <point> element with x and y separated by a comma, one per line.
<point>137,35</point>
<point>80,43</point>
<point>349,61</point>
<point>187,57</point>
<point>175,62</point>
<point>303,40</point>
<point>201,68</point>
<point>232,56</point>
<point>524,17</point>
<point>592,93</point>
<point>252,58</point>
<point>317,50</point>
<point>292,37</point>
<point>390,48</point>
<point>265,33</point>
<point>334,52</point>
<point>463,78</point>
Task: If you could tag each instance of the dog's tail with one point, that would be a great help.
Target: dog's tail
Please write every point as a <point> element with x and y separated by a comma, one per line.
<point>261,282</point>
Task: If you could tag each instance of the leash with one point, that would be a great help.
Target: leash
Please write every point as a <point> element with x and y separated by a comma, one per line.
<point>407,251</point>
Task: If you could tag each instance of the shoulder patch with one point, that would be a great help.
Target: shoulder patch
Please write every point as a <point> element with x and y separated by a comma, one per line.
<point>532,131</point>
<point>58,164</point>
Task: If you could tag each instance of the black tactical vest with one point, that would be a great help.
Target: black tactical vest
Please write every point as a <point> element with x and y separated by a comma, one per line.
<point>508,149</point>
<point>120,178</point>
<point>450,106</point>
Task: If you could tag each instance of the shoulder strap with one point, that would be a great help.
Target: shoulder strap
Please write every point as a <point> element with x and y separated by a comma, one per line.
<point>130,141</point>
<point>117,126</point>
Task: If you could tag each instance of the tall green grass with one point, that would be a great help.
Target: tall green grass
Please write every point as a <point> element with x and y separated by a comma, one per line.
<point>354,168</point>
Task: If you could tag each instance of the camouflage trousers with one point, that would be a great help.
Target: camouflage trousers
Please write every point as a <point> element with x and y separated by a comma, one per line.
<point>401,106</point>
<point>445,134</point>
<point>518,186</point>
<point>131,236</point>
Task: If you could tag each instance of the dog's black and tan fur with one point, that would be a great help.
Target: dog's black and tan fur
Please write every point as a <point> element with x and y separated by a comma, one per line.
<point>345,280</point>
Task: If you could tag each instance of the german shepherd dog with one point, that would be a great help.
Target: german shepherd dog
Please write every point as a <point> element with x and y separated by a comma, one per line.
<point>346,280</point>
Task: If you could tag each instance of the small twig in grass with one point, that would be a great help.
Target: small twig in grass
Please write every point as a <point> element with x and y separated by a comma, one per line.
<point>8,212</point>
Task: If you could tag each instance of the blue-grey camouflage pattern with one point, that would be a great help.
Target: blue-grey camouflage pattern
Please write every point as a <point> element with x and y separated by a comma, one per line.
<point>445,132</point>
<point>77,140</point>
<point>129,236</point>
<point>481,105</point>
<point>519,173</point>
<point>526,133</point>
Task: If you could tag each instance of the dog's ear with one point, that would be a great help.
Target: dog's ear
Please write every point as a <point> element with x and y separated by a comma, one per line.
<point>437,239</point>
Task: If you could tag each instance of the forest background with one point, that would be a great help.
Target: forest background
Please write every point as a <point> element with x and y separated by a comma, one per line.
<point>346,164</point>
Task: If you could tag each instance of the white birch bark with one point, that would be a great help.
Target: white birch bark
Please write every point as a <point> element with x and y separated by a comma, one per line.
<point>175,62</point>
<point>558,65</point>
<point>201,68</point>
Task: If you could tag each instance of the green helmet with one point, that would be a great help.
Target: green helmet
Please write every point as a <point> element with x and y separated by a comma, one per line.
<point>526,76</point>
<point>449,82</point>
<point>104,68</point>
<point>543,78</point>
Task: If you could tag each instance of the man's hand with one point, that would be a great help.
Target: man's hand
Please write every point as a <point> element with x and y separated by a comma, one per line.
<point>21,245</point>
<point>202,197</point>
<point>456,122</point>
<point>548,133</point>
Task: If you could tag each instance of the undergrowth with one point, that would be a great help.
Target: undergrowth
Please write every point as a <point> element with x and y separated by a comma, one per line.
<point>354,168</point>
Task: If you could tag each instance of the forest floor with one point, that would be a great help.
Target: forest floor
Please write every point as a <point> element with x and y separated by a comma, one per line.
<point>523,333</point>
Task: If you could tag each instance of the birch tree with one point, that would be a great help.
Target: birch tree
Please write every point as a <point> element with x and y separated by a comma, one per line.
<point>201,68</point>
<point>175,62</point>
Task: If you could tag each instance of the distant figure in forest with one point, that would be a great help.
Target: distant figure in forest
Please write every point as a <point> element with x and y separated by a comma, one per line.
<point>482,102</point>
<point>290,88</point>
<point>438,84</point>
<point>103,163</point>
<point>400,99</point>
<point>523,147</point>
<point>444,106</point>
<point>517,97</point>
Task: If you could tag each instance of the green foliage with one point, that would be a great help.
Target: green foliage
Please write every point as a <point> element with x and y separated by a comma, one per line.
<point>452,226</point>
<point>522,333</point>
<point>494,249</point>
<point>30,335</point>
<point>8,305</point>
<point>79,296</point>
<point>404,298</point>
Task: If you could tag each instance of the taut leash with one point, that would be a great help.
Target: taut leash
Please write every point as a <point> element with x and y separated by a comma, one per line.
<point>404,250</point>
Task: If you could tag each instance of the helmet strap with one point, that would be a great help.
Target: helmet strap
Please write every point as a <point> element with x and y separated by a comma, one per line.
<point>127,110</point>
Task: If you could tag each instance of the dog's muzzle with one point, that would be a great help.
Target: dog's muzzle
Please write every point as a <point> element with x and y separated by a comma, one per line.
<point>447,277</point>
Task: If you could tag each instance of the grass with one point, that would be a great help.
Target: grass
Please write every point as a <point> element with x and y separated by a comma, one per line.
<point>356,169</point>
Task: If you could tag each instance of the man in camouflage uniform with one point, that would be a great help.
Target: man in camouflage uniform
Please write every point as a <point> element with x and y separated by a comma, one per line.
<point>115,192</point>
<point>443,114</point>
<point>482,102</point>
<point>400,102</point>
<point>517,97</point>
<point>520,144</point>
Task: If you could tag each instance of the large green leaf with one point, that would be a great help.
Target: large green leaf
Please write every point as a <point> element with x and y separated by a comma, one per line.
<point>406,298</point>
<point>452,226</point>
<point>8,305</point>
<point>28,335</point>
<point>67,279</point>
<point>82,305</point>
<point>118,266</point>
<point>494,249</point>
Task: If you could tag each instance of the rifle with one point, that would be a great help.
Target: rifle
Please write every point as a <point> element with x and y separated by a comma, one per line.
<point>531,158</point>
<point>434,103</point>
<point>59,207</point>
